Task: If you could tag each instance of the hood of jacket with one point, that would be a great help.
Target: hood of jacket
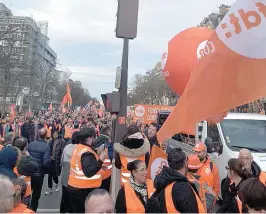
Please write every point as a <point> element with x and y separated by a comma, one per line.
<point>255,168</point>
<point>134,146</point>
<point>8,159</point>
<point>166,177</point>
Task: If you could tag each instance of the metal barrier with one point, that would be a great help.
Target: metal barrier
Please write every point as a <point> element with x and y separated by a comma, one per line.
<point>187,148</point>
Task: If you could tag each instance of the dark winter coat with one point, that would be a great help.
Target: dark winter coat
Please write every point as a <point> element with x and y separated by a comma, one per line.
<point>8,159</point>
<point>256,170</point>
<point>131,148</point>
<point>40,151</point>
<point>58,153</point>
<point>230,204</point>
<point>26,130</point>
<point>183,196</point>
<point>27,166</point>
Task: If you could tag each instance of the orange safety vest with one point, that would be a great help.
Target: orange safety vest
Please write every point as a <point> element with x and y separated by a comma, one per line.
<point>125,174</point>
<point>262,178</point>
<point>68,131</point>
<point>21,208</point>
<point>206,175</point>
<point>170,207</point>
<point>58,127</point>
<point>27,180</point>
<point>106,169</point>
<point>76,176</point>
<point>1,147</point>
<point>49,130</point>
<point>133,203</point>
<point>239,204</point>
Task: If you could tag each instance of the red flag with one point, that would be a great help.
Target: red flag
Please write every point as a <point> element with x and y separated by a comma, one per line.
<point>13,112</point>
<point>230,74</point>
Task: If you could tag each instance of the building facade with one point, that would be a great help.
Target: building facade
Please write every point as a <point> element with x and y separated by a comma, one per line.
<point>32,40</point>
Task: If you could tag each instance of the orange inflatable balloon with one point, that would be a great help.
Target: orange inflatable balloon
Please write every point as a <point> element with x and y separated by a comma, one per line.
<point>184,51</point>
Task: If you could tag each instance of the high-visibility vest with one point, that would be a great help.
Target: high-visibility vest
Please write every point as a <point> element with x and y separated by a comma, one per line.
<point>21,208</point>
<point>68,131</point>
<point>170,207</point>
<point>49,130</point>
<point>1,147</point>
<point>58,127</point>
<point>27,180</point>
<point>239,204</point>
<point>106,169</point>
<point>262,178</point>
<point>133,203</point>
<point>206,174</point>
<point>77,178</point>
<point>125,174</point>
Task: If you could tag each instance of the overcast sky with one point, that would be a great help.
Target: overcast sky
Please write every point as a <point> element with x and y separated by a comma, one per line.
<point>82,34</point>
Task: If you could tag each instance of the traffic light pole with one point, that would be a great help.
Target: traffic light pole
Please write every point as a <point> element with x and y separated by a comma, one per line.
<point>121,128</point>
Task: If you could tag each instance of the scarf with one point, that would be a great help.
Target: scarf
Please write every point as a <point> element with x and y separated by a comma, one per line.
<point>140,188</point>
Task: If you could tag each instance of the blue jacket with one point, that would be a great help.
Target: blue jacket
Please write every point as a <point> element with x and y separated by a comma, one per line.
<point>40,151</point>
<point>8,159</point>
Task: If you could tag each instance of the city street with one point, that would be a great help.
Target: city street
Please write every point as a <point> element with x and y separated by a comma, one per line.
<point>51,203</point>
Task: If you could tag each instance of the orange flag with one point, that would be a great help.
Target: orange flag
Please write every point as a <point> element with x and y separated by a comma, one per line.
<point>13,112</point>
<point>50,107</point>
<point>230,75</point>
<point>158,159</point>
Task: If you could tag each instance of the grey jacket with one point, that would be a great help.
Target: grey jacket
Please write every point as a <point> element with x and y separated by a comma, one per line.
<point>65,162</point>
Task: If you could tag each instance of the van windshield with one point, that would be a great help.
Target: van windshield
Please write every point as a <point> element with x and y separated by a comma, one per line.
<point>245,134</point>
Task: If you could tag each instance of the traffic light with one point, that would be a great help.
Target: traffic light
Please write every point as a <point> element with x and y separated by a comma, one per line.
<point>111,102</point>
<point>127,19</point>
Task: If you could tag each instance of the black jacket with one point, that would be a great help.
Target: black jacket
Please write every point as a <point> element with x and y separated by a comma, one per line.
<point>131,148</point>
<point>26,130</point>
<point>230,203</point>
<point>120,205</point>
<point>153,140</point>
<point>90,166</point>
<point>40,151</point>
<point>27,166</point>
<point>256,170</point>
<point>183,196</point>
<point>58,154</point>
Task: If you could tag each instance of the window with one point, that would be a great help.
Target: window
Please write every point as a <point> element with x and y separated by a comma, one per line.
<point>213,132</point>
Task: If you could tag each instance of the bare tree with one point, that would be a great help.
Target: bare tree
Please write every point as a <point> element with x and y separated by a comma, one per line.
<point>151,88</point>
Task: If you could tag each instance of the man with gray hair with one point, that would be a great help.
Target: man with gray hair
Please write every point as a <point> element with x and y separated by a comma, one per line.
<point>9,137</point>
<point>99,201</point>
<point>6,194</point>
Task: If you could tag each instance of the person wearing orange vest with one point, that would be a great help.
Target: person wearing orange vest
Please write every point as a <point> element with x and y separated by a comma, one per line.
<point>133,196</point>
<point>174,193</point>
<point>237,174</point>
<point>48,128</point>
<point>68,130</point>
<point>246,157</point>
<point>84,174</point>
<point>100,143</point>
<point>135,146</point>
<point>26,167</point>
<point>253,194</point>
<point>20,190</point>
<point>207,196</point>
<point>208,171</point>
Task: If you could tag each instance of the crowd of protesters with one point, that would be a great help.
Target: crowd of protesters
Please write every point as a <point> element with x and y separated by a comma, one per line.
<point>76,151</point>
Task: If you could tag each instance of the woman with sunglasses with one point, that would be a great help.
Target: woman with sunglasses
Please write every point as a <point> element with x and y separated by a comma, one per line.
<point>133,196</point>
<point>237,174</point>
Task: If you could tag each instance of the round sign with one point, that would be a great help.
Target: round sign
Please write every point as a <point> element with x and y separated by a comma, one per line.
<point>139,111</point>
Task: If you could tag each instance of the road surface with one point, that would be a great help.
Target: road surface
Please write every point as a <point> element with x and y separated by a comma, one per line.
<point>50,203</point>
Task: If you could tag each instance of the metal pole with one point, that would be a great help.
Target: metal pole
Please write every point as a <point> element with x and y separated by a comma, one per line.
<point>121,127</point>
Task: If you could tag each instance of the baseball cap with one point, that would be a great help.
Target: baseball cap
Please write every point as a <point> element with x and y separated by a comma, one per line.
<point>199,147</point>
<point>193,162</point>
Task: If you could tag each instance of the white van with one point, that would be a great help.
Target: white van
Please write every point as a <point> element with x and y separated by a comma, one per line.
<point>237,131</point>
